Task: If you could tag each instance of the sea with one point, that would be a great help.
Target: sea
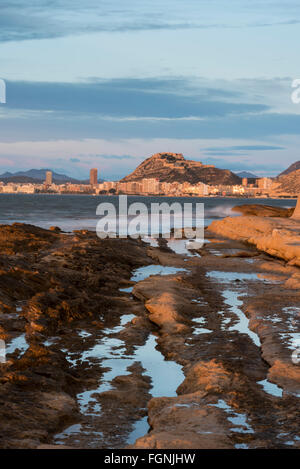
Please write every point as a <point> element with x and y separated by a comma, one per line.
<point>76,212</point>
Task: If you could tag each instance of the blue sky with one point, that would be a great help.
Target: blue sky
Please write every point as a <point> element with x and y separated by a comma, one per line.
<point>108,83</point>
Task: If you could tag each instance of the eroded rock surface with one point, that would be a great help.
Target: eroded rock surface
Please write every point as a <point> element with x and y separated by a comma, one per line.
<point>81,328</point>
<point>52,287</point>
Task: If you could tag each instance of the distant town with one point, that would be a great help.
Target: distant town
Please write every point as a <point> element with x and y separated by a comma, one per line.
<point>262,187</point>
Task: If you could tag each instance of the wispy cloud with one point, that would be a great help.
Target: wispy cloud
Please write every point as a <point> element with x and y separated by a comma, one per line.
<point>127,98</point>
<point>241,149</point>
<point>29,20</point>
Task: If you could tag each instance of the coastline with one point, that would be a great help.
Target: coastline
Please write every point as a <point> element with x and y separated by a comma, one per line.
<point>152,195</point>
<point>224,316</point>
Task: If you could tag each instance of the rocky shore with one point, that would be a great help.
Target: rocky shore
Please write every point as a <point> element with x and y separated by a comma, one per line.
<point>88,322</point>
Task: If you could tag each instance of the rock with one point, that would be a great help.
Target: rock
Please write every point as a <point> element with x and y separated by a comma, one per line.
<point>206,376</point>
<point>296,214</point>
<point>263,210</point>
<point>275,236</point>
<point>170,167</point>
<point>52,286</point>
<point>185,422</point>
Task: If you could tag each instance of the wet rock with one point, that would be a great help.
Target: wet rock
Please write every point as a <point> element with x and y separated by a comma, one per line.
<point>274,236</point>
<point>186,422</point>
<point>263,210</point>
<point>51,283</point>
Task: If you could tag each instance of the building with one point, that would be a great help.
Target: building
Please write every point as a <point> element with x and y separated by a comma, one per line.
<point>93,176</point>
<point>26,189</point>
<point>265,183</point>
<point>245,182</point>
<point>48,180</point>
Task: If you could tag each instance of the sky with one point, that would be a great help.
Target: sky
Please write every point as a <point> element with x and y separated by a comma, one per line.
<point>108,83</point>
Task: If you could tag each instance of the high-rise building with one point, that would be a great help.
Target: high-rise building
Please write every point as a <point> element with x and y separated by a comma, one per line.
<point>48,181</point>
<point>265,183</point>
<point>93,176</point>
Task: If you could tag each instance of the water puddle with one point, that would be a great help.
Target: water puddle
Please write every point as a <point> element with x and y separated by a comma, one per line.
<point>289,442</point>
<point>200,330</point>
<point>228,277</point>
<point>239,420</point>
<point>291,339</point>
<point>140,428</point>
<point>144,272</point>
<point>84,334</point>
<point>271,388</point>
<point>50,341</point>
<point>154,269</point>
<point>199,301</point>
<point>242,326</point>
<point>215,252</point>
<point>126,290</point>
<point>232,300</point>
<point>111,353</point>
<point>185,247</point>
<point>77,429</point>
<point>18,343</point>
<point>152,241</point>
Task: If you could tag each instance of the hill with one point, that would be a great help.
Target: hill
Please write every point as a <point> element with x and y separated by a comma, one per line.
<point>288,183</point>
<point>35,176</point>
<point>294,167</point>
<point>171,167</point>
<point>38,176</point>
<point>246,174</point>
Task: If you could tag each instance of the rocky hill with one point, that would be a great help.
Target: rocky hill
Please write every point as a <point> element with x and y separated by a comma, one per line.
<point>288,183</point>
<point>171,167</point>
<point>294,167</point>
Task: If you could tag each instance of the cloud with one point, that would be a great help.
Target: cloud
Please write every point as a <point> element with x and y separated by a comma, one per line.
<point>114,157</point>
<point>56,126</point>
<point>271,168</point>
<point>127,98</point>
<point>241,149</point>
<point>28,19</point>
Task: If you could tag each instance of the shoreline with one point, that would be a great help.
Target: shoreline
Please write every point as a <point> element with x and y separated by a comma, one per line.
<point>155,196</point>
<point>203,319</point>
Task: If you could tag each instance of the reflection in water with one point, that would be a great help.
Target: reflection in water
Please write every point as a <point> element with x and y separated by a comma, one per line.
<point>117,362</point>
<point>271,388</point>
<point>144,272</point>
<point>18,343</point>
<point>238,419</point>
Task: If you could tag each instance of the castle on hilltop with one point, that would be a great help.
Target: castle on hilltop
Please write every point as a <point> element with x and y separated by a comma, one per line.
<point>177,160</point>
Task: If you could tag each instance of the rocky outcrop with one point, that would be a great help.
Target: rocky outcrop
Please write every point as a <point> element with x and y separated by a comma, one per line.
<point>171,167</point>
<point>52,286</point>
<point>293,167</point>
<point>241,385</point>
<point>275,236</point>
<point>287,183</point>
<point>296,213</point>
<point>263,210</point>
